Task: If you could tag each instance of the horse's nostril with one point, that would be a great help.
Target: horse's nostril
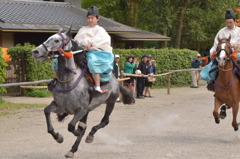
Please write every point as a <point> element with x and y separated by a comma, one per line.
<point>35,51</point>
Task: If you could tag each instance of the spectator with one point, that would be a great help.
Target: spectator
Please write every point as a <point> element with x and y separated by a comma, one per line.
<point>151,59</point>
<point>116,70</point>
<point>205,60</point>
<point>152,71</point>
<point>129,66</point>
<point>143,67</point>
<point>196,63</point>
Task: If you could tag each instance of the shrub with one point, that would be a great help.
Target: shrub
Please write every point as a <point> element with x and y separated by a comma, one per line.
<point>38,93</point>
<point>32,70</point>
<point>167,59</point>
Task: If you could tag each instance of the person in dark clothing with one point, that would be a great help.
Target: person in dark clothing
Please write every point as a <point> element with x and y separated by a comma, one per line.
<point>116,70</point>
<point>143,67</point>
<point>152,71</point>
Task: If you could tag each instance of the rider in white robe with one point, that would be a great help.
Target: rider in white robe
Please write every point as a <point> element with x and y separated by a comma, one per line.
<point>97,45</point>
<point>230,29</point>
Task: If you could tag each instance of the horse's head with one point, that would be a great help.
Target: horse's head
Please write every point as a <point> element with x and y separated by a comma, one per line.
<point>224,50</point>
<point>57,41</point>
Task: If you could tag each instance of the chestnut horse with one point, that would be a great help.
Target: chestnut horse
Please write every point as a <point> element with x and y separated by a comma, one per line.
<point>227,85</point>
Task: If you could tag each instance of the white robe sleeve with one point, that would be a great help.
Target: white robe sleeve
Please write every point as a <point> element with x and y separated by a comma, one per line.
<point>101,40</point>
<point>80,38</point>
<point>214,47</point>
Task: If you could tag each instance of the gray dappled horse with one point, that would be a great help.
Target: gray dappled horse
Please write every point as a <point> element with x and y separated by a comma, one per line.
<point>72,93</point>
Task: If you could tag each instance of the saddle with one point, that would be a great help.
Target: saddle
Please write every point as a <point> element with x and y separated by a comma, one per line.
<point>80,60</point>
<point>236,66</point>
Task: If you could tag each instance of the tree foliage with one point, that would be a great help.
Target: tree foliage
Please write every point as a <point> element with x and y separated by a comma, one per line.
<point>2,71</point>
<point>190,23</point>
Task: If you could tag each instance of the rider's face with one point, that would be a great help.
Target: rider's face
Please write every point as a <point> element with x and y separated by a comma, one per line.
<point>230,23</point>
<point>92,20</point>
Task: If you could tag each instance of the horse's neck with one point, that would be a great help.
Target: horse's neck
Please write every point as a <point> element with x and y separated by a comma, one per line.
<point>66,66</point>
<point>225,73</point>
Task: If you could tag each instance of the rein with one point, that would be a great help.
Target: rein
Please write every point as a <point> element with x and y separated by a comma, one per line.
<point>74,85</point>
<point>230,84</point>
<point>224,69</point>
<point>233,75</point>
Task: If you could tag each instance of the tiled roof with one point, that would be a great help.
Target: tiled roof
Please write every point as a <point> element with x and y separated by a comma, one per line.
<point>49,16</point>
<point>42,16</point>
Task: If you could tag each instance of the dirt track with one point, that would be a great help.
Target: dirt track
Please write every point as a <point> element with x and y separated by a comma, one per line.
<point>175,126</point>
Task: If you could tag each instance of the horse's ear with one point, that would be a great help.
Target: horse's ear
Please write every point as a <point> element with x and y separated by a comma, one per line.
<point>68,31</point>
<point>60,30</point>
<point>229,38</point>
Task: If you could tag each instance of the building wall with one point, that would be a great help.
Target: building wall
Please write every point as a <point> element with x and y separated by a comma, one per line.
<point>7,39</point>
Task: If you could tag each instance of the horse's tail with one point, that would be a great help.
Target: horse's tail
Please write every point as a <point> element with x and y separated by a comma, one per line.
<point>127,98</point>
<point>61,117</point>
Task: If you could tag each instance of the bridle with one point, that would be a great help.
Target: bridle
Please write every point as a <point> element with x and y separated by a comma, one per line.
<point>65,41</point>
<point>229,45</point>
<point>59,53</point>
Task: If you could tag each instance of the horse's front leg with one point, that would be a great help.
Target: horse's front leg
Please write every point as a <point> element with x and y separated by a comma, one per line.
<point>52,108</point>
<point>235,108</point>
<point>217,105</point>
<point>81,129</point>
<point>80,113</point>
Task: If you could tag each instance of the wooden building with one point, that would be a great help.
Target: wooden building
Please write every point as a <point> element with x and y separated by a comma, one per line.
<point>35,20</point>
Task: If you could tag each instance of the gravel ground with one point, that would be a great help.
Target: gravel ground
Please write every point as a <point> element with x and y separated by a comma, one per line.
<point>175,126</point>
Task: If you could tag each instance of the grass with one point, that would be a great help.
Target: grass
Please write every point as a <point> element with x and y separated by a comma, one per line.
<point>8,108</point>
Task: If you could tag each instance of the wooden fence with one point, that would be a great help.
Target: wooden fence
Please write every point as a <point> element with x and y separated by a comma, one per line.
<point>124,74</point>
<point>163,74</point>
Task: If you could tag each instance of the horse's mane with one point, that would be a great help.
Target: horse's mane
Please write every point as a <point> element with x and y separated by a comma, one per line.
<point>80,58</point>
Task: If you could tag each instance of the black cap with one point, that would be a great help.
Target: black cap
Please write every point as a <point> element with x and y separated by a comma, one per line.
<point>145,56</point>
<point>93,10</point>
<point>230,14</point>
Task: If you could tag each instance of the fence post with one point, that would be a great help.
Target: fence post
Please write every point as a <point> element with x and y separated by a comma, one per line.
<point>169,83</point>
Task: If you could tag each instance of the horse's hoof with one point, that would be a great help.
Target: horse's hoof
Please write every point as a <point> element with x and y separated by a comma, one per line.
<point>60,138</point>
<point>89,139</point>
<point>235,128</point>
<point>217,121</point>
<point>69,155</point>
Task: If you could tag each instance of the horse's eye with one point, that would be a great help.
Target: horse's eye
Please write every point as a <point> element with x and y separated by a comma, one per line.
<point>56,41</point>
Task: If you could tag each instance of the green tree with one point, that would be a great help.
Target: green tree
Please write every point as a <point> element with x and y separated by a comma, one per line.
<point>2,71</point>
<point>190,23</point>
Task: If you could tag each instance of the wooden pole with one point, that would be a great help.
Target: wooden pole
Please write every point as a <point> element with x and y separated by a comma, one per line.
<point>24,83</point>
<point>169,84</point>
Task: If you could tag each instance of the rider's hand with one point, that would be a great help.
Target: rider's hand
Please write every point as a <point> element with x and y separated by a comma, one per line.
<point>87,47</point>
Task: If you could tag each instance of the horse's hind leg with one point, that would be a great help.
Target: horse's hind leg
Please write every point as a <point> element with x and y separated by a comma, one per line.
<point>217,104</point>
<point>235,112</point>
<point>52,108</point>
<point>103,123</point>
<point>81,128</point>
